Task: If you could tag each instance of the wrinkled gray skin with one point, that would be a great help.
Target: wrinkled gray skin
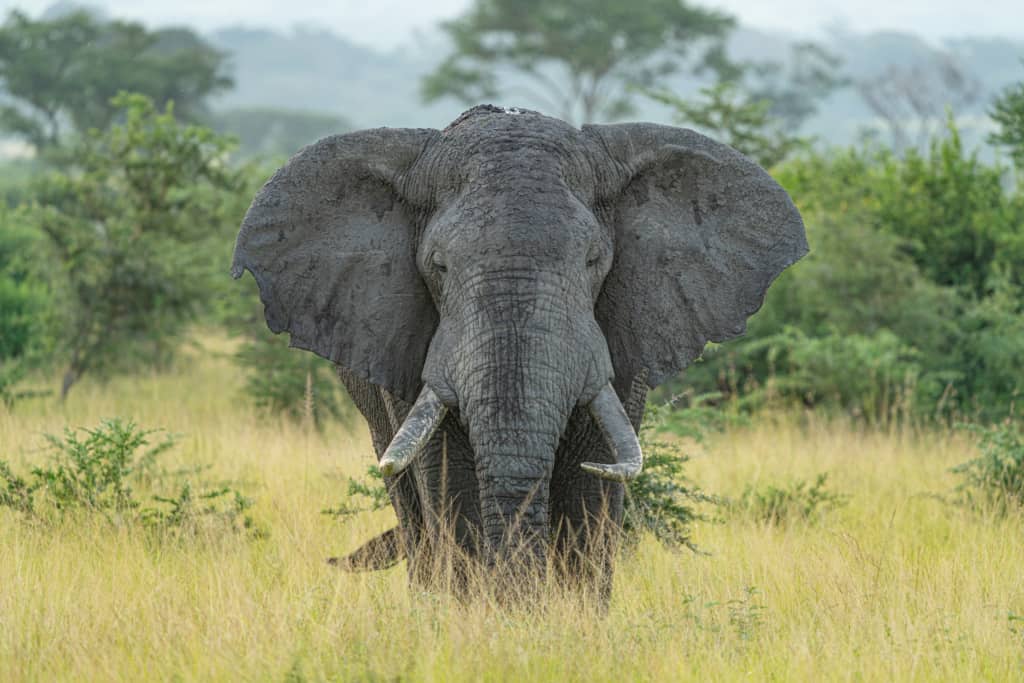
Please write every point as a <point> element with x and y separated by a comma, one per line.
<point>514,265</point>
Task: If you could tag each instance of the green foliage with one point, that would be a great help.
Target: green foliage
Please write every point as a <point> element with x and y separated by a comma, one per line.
<point>797,501</point>
<point>16,492</point>
<point>994,481</point>
<point>1008,114</point>
<point>575,55</point>
<point>661,500</point>
<point>138,226</point>
<point>909,304</point>
<point>25,320</point>
<point>959,223</point>
<point>96,471</point>
<point>734,117</point>
<point>271,133</point>
<point>189,514</point>
<point>758,108</point>
<point>63,73</point>
<point>871,376</point>
<point>287,381</point>
<point>371,489</point>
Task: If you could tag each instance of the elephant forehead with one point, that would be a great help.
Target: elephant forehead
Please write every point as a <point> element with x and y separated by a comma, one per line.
<point>539,218</point>
<point>514,147</point>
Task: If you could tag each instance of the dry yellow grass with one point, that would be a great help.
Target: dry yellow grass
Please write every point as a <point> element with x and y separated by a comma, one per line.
<point>895,586</point>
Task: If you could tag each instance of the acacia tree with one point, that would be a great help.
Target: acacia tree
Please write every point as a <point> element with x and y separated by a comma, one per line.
<point>731,115</point>
<point>918,97</point>
<point>59,75</point>
<point>577,58</point>
<point>136,225</point>
<point>760,110</point>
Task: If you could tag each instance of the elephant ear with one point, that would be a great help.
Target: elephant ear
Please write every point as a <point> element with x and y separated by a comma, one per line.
<point>332,245</point>
<point>700,233</point>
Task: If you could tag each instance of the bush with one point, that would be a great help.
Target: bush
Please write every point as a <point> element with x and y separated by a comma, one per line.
<point>95,471</point>
<point>911,295</point>
<point>874,377</point>
<point>995,479</point>
<point>371,488</point>
<point>797,501</point>
<point>290,382</point>
<point>661,500</point>
<point>25,307</point>
<point>138,224</point>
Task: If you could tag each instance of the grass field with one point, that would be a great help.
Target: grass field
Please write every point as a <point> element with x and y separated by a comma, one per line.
<point>896,585</point>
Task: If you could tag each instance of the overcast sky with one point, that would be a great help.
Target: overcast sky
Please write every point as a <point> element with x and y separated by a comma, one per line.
<point>387,23</point>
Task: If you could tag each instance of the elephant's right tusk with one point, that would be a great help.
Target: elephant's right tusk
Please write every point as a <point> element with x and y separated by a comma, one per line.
<point>609,414</point>
<point>423,420</point>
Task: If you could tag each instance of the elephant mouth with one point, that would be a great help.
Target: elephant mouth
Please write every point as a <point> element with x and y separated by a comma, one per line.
<point>428,412</point>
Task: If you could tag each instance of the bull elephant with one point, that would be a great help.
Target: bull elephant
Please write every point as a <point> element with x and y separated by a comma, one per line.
<point>498,297</point>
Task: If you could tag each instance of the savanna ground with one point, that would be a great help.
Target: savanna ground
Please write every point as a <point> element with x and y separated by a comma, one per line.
<point>895,585</point>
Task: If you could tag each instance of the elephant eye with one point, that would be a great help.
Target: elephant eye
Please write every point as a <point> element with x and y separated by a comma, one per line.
<point>438,264</point>
<point>593,260</point>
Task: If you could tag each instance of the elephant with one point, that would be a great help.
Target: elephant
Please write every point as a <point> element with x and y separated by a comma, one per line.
<point>498,298</point>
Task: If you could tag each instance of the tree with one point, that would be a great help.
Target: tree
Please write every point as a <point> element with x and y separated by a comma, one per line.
<point>576,58</point>
<point>736,118</point>
<point>25,334</point>
<point>137,225</point>
<point>59,75</point>
<point>918,97</point>
<point>793,89</point>
<point>1008,113</point>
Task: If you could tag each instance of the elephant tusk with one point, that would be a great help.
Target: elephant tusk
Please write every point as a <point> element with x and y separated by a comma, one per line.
<point>609,414</point>
<point>423,420</point>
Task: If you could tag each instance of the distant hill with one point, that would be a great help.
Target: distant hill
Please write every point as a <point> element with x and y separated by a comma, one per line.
<point>323,72</point>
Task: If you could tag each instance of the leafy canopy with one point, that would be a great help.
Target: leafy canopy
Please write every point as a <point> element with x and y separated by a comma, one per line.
<point>732,116</point>
<point>59,75</point>
<point>137,225</point>
<point>574,57</point>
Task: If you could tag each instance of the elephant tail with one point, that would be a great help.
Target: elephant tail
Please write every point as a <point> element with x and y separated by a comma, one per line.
<point>380,552</point>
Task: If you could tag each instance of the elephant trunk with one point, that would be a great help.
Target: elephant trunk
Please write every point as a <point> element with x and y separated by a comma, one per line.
<point>517,384</point>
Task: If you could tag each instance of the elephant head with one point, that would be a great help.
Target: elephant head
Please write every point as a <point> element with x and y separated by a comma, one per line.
<point>511,268</point>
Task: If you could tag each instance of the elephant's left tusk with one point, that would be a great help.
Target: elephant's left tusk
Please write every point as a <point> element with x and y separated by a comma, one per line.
<point>423,420</point>
<point>609,414</point>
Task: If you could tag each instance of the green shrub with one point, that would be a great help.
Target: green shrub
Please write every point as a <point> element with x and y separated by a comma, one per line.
<point>96,471</point>
<point>26,314</point>
<point>994,480</point>
<point>371,489</point>
<point>661,500</point>
<point>290,382</point>
<point>797,501</point>
<point>910,297</point>
<point>138,223</point>
<point>875,377</point>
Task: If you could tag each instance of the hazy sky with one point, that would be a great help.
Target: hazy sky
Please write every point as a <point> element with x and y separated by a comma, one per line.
<point>389,22</point>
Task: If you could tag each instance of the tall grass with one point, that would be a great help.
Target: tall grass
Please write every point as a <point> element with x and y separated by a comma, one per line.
<point>894,585</point>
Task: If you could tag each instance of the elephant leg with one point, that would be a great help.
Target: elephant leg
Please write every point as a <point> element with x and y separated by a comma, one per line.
<point>587,512</point>
<point>587,524</point>
<point>449,497</point>
<point>380,418</point>
<point>436,499</point>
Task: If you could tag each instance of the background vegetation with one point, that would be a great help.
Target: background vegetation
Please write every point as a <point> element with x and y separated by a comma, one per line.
<point>854,465</point>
